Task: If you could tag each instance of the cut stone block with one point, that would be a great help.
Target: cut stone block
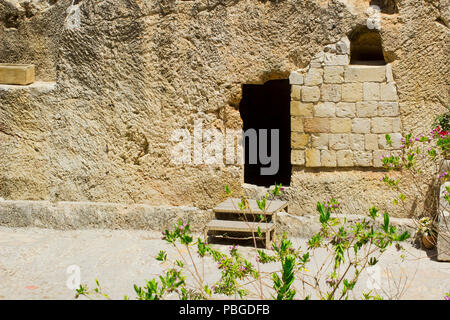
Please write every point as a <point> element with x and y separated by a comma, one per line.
<point>377,156</point>
<point>388,109</point>
<point>340,125</point>
<point>371,91</point>
<point>16,74</point>
<point>396,125</point>
<point>331,92</point>
<point>316,125</point>
<point>360,73</point>
<point>366,109</point>
<point>361,125</point>
<point>298,157</point>
<point>388,92</point>
<point>296,92</point>
<point>296,78</point>
<point>312,158</point>
<point>299,140</point>
<point>301,109</point>
<point>333,74</point>
<point>314,77</point>
<point>310,94</point>
<point>346,110</point>
<point>331,59</point>
<point>339,141</point>
<point>344,158</point>
<point>389,75</point>
<point>297,124</point>
<point>324,110</point>
<point>352,92</point>
<point>357,142</point>
<point>381,125</point>
<point>396,139</point>
<point>319,141</point>
<point>371,142</point>
<point>328,158</point>
<point>362,158</point>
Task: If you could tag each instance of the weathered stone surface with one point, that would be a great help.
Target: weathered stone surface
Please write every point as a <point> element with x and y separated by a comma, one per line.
<point>316,125</point>
<point>319,140</point>
<point>310,94</point>
<point>346,109</point>
<point>344,158</point>
<point>388,92</point>
<point>296,78</point>
<point>371,91</point>
<point>333,74</point>
<point>381,125</point>
<point>314,77</point>
<point>352,92</point>
<point>135,71</point>
<point>388,109</point>
<point>366,109</point>
<point>361,125</point>
<point>299,140</point>
<point>298,157</point>
<point>339,141</point>
<point>313,158</point>
<point>396,139</point>
<point>81,215</point>
<point>301,109</point>
<point>331,92</point>
<point>331,59</point>
<point>371,142</point>
<point>360,73</point>
<point>357,142</point>
<point>328,158</point>
<point>340,125</point>
<point>21,74</point>
<point>297,124</point>
<point>324,110</point>
<point>296,92</point>
<point>362,158</point>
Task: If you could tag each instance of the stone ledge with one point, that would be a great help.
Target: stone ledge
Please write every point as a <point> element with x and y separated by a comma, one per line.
<point>307,226</point>
<point>97,215</point>
<point>36,86</point>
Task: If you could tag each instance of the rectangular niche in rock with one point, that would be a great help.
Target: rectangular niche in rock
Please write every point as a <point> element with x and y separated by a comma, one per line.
<point>18,74</point>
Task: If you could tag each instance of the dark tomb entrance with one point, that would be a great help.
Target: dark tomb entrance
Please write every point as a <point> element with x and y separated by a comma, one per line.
<point>267,106</point>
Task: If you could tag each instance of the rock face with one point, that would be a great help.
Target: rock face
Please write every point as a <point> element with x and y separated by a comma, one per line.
<point>128,73</point>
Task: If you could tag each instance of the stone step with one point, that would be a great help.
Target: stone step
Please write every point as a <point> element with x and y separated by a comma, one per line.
<point>241,226</point>
<point>231,206</point>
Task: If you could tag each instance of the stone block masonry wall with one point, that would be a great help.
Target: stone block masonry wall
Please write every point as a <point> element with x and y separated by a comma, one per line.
<point>340,113</point>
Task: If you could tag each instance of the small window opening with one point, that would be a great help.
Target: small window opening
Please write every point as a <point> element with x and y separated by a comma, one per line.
<point>267,106</point>
<point>365,47</point>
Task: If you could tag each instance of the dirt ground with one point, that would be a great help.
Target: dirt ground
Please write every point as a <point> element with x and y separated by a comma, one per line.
<point>40,263</point>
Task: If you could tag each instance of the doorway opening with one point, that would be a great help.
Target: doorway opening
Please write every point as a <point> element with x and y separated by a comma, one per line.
<point>266,106</point>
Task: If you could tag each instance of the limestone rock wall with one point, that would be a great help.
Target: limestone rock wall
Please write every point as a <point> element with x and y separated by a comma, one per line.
<point>127,73</point>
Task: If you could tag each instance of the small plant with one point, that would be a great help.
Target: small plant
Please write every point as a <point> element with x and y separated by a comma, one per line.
<point>447,296</point>
<point>426,227</point>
